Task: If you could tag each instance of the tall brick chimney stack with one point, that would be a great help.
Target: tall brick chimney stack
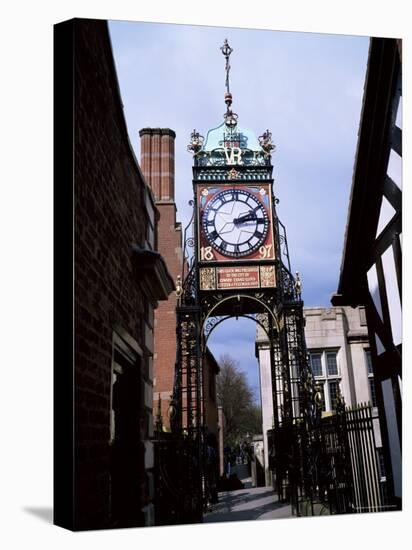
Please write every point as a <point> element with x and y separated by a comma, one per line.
<point>157,161</point>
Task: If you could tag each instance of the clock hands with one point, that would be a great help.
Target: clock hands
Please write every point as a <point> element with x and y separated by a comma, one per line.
<point>250,216</point>
<point>235,223</point>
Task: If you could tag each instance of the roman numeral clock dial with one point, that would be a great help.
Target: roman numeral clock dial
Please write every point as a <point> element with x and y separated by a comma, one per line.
<point>235,223</point>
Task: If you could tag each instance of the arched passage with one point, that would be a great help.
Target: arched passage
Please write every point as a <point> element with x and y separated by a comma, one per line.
<point>229,307</point>
<point>236,340</point>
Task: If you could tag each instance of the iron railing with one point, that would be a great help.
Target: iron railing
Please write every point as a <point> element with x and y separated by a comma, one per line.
<point>332,468</point>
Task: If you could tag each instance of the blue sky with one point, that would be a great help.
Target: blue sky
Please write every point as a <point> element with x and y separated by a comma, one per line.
<point>306,88</point>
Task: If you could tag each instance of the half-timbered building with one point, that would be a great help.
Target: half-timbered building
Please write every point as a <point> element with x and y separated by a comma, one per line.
<point>371,272</point>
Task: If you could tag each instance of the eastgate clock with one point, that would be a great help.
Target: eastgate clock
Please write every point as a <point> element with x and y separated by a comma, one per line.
<point>235,222</point>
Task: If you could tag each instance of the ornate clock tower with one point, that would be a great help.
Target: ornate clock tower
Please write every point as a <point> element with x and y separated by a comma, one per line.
<point>237,264</point>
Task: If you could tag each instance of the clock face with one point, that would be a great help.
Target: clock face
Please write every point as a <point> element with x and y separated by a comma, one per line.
<point>235,222</point>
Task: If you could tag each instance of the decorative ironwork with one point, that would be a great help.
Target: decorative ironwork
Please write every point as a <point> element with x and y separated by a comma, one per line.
<point>207,278</point>
<point>189,296</point>
<point>196,142</point>
<point>230,117</point>
<point>265,141</point>
<point>227,50</point>
<point>188,242</point>
<point>287,284</point>
<point>276,306</point>
<point>212,322</point>
<point>267,276</point>
<point>263,320</point>
<point>298,285</point>
<point>233,174</point>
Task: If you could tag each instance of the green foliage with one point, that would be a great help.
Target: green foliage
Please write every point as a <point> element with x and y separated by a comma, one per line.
<point>242,415</point>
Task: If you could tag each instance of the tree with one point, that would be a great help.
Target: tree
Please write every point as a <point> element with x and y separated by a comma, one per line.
<point>235,396</point>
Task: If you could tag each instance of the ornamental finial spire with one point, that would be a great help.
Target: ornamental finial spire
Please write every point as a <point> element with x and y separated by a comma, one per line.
<point>227,50</point>
<point>230,117</point>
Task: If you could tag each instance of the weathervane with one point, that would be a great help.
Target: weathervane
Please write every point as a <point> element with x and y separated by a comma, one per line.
<point>230,117</point>
<point>227,50</point>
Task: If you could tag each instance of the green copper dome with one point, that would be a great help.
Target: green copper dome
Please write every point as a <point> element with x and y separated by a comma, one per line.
<point>225,136</point>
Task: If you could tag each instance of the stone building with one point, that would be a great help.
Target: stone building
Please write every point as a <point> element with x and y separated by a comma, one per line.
<point>340,356</point>
<point>119,277</point>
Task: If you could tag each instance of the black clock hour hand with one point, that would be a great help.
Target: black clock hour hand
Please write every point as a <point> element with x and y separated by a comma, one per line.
<point>245,218</point>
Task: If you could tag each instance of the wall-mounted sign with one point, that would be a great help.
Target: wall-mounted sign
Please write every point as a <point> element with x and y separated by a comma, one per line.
<point>237,277</point>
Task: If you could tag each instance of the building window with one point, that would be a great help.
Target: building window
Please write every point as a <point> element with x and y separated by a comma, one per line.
<point>325,368</point>
<point>333,393</point>
<point>320,386</point>
<point>369,361</point>
<point>369,366</point>
<point>316,363</point>
<point>332,363</point>
<point>362,316</point>
<point>372,391</point>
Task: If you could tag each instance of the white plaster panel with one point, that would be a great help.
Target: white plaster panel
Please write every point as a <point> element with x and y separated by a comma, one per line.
<point>386,214</point>
<point>394,169</point>
<point>398,120</point>
<point>392,292</point>
<point>374,289</point>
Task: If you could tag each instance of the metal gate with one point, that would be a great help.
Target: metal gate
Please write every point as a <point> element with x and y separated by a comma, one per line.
<point>332,468</point>
<point>178,498</point>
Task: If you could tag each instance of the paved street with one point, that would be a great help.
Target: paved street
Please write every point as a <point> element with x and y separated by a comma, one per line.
<point>248,503</point>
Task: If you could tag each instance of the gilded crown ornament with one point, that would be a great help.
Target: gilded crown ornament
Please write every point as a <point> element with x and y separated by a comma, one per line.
<point>196,142</point>
<point>265,141</point>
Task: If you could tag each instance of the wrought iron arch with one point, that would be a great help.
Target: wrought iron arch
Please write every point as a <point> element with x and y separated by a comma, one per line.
<point>218,320</point>
<point>238,297</point>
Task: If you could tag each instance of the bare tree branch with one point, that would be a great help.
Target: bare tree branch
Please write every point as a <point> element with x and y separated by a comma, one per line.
<point>235,396</point>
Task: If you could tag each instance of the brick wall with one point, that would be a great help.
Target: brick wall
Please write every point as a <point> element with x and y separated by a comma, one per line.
<point>170,238</point>
<point>157,161</point>
<point>110,215</point>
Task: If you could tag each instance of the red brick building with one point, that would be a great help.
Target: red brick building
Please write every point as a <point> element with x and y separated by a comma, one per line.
<point>158,166</point>
<point>118,279</point>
